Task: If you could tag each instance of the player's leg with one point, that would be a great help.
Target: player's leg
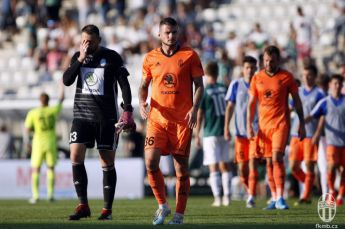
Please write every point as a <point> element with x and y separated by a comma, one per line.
<point>51,159</point>
<point>340,197</point>
<point>211,159</point>
<point>215,183</point>
<point>224,165</point>
<point>80,180</point>
<point>295,158</point>
<point>271,184</point>
<point>310,158</point>
<point>182,187</point>
<point>107,140</point>
<point>36,162</point>
<point>252,182</point>
<point>156,143</point>
<point>82,136</point>
<point>241,157</point>
<point>332,164</point>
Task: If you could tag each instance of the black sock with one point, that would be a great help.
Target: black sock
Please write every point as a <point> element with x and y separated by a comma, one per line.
<point>80,182</point>
<point>109,184</point>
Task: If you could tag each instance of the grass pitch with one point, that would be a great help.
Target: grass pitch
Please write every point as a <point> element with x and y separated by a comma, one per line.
<point>138,214</point>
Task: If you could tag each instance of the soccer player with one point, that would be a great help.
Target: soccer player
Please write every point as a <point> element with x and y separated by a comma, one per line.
<point>246,155</point>
<point>271,88</point>
<point>331,114</point>
<point>216,149</point>
<point>42,121</point>
<point>173,70</point>
<point>97,70</point>
<point>306,150</point>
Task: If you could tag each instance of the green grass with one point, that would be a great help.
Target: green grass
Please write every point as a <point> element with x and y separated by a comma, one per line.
<point>138,214</point>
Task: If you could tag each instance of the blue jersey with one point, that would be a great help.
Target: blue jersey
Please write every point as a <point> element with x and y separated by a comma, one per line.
<point>309,100</point>
<point>334,112</point>
<point>238,94</point>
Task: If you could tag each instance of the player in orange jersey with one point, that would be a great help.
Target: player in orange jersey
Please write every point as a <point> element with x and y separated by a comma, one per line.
<point>271,88</point>
<point>172,70</point>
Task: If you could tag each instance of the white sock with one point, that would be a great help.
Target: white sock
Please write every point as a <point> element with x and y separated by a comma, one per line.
<point>226,182</point>
<point>215,183</point>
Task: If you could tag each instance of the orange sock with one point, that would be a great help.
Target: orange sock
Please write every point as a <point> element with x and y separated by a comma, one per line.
<point>342,184</point>
<point>299,175</point>
<point>182,192</point>
<point>253,180</point>
<point>271,184</point>
<point>308,185</point>
<point>157,184</point>
<point>279,177</point>
<point>330,181</point>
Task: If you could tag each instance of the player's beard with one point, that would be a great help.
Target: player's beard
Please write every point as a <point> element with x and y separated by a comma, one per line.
<point>171,44</point>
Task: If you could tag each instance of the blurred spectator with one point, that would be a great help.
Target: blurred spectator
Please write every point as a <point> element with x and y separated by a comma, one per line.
<point>259,37</point>
<point>225,68</point>
<point>7,149</point>
<point>53,9</point>
<point>339,28</point>
<point>8,17</point>
<point>84,9</point>
<point>193,36</point>
<point>102,8</point>
<point>209,45</point>
<point>233,46</point>
<point>303,26</point>
<point>32,30</point>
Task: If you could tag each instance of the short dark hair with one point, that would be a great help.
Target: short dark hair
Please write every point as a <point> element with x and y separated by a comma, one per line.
<point>44,98</point>
<point>337,77</point>
<point>250,60</point>
<point>90,29</point>
<point>270,50</point>
<point>211,69</point>
<point>168,21</point>
<point>312,68</point>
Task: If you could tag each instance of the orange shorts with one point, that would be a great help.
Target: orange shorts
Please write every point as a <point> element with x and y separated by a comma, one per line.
<point>169,138</point>
<point>336,155</point>
<point>245,149</point>
<point>302,150</point>
<point>272,140</point>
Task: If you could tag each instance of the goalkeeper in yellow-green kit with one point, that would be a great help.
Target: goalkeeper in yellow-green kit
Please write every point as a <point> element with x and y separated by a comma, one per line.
<point>41,121</point>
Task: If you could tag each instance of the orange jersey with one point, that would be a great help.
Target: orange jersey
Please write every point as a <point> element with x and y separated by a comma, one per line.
<point>273,93</point>
<point>172,83</point>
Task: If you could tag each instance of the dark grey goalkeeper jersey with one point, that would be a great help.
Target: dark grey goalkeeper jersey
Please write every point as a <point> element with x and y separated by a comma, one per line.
<point>96,92</point>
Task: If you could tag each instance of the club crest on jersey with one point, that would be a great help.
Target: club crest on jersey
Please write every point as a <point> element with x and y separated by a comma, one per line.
<point>103,62</point>
<point>169,80</point>
<point>91,78</point>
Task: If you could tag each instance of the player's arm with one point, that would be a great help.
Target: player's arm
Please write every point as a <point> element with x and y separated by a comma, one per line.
<point>72,71</point>
<point>143,93</point>
<point>318,131</point>
<point>200,118</point>
<point>299,110</point>
<point>199,92</point>
<point>228,115</point>
<point>250,115</point>
<point>126,92</point>
<point>62,93</point>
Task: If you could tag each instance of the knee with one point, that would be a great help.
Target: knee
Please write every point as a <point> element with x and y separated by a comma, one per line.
<point>151,165</point>
<point>182,176</point>
<point>278,157</point>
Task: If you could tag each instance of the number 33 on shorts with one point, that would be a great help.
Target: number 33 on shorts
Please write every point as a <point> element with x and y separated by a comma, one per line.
<point>72,137</point>
<point>149,141</point>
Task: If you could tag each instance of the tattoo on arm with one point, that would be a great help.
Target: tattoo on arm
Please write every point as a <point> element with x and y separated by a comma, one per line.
<point>199,91</point>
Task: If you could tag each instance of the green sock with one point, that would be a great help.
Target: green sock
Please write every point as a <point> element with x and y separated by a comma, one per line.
<point>35,185</point>
<point>50,183</point>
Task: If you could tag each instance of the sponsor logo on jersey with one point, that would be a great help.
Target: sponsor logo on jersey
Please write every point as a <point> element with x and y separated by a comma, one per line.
<point>91,78</point>
<point>169,80</point>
